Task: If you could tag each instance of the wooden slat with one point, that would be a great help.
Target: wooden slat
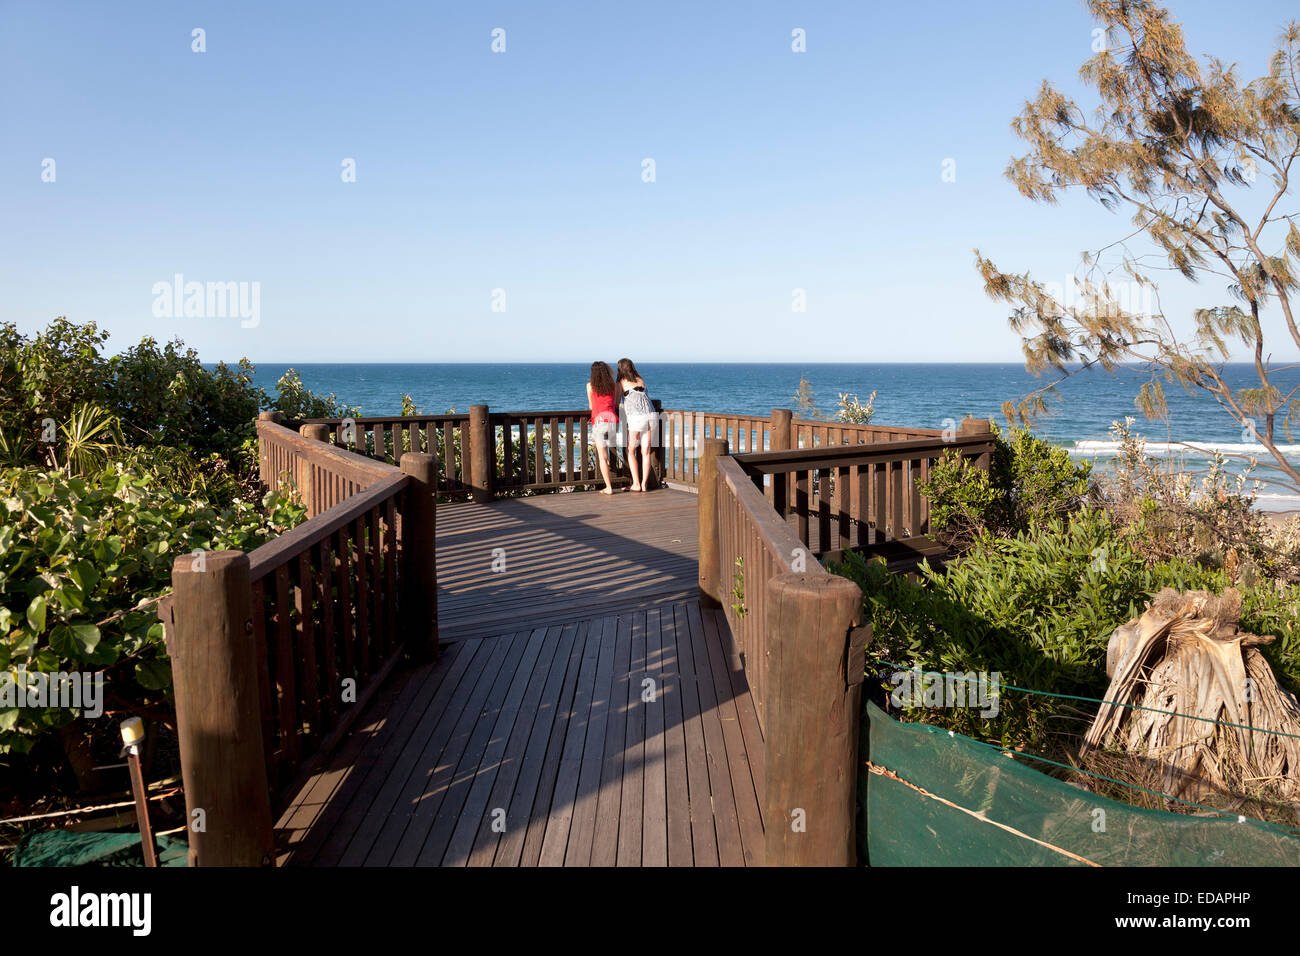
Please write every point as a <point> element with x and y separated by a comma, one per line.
<point>360,561</point>
<point>677,792</point>
<point>265,702</point>
<point>703,837</point>
<point>510,846</point>
<point>654,827</point>
<point>285,682</point>
<point>305,605</point>
<point>323,558</point>
<point>550,768</point>
<point>631,804</point>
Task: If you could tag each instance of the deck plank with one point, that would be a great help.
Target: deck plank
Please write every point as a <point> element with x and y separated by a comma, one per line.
<point>558,823</point>
<point>704,841</point>
<point>677,795</point>
<point>475,840</point>
<point>582,835</point>
<point>478,767</point>
<point>654,821</point>
<point>535,708</point>
<point>604,848</point>
<point>510,846</point>
<point>550,771</point>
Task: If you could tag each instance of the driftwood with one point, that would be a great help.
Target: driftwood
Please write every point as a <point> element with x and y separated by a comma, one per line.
<point>1185,655</point>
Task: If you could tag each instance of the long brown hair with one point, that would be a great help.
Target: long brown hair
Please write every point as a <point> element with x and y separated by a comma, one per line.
<point>602,379</point>
<point>627,371</point>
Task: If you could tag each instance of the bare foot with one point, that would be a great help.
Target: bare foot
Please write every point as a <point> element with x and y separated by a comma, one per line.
<point>606,491</point>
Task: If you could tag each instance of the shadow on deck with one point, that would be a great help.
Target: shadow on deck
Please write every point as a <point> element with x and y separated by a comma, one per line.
<point>584,711</point>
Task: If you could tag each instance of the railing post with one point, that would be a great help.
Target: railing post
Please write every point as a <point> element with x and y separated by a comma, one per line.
<point>419,580</point>
<point>707,511</point>
<point>978,426</point>
<point>263,464</point>
<point>481,459</point>
<point>306,486</point>
<point>814,708</point>
<point>780,434</point>
<point>779,429</point>
<point>218,718</point>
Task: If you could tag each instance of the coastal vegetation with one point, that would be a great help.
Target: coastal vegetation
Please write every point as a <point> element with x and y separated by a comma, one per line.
<point>1203,162</point>
<point>1054,559</point>
<point>111,466</point>
<point>848,408</point>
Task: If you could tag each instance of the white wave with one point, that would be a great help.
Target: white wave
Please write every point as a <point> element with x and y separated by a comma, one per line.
<point>1253,449</point>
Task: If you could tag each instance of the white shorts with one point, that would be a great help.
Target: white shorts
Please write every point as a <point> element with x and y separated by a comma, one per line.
<point>602,433</point>
<point>638,423</point>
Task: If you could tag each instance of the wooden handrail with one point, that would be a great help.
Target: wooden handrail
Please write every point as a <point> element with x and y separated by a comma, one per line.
<point>278,551</point>
<point>833,456</point>
<point>794,627</point>
<point>300,633</point>
<point>772,532</point>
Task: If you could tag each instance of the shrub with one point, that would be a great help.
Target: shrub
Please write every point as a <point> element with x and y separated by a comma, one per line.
<point>296,401</point>
<point>1165,512</point>
<point>1028,481</point>
<point>159,396</point>
<point>164,396</point>
<point>82,561</point>
<point>1039,608</point>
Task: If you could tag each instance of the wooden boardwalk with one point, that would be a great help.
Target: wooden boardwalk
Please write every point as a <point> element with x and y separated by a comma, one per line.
<point>522,562</point>
<point>584,711</point>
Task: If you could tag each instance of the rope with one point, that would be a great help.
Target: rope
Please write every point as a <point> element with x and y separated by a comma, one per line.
<point>1098,700</point>
<point>882,771</point>
<point>82,810</point>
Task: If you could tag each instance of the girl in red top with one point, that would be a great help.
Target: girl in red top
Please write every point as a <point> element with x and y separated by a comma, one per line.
<point>604,420</point>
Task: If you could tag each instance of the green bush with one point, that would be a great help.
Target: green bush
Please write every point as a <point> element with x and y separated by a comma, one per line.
<point>1039,608</point>
<point>80,561</point>
<point>161,397</point>
<point>1028,481</point>
<point>296,401</point>
<point>164,396</point>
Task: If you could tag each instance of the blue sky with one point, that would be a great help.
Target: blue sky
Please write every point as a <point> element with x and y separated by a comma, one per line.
<point>522,171</point>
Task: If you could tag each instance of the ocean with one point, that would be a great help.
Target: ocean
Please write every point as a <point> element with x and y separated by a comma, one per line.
<point>919,395</point>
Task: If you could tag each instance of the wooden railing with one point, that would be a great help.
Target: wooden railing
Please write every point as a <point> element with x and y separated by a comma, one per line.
<point>484,453</point>
<point>274,653</point>
<point>387,438</point>
<point>808,433</point>
<point>550,450</point>
<point>796,629</point>
<point>683,432</point>
<point>857,496</point>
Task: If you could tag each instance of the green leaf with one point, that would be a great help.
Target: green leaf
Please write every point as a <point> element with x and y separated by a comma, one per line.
<point>153,675</point>
<point>36,614</point>
<point>84,574</point>
<point>76,641</point>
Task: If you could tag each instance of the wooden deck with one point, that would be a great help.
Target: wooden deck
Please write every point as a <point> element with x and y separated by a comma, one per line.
<point>519,563</point>
<point>584,711</point>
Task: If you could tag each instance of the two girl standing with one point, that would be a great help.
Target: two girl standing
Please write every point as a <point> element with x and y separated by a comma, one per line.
<point>603,393</point>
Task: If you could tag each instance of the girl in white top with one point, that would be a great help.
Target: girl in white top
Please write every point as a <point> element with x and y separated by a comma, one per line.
<point>639,413</point>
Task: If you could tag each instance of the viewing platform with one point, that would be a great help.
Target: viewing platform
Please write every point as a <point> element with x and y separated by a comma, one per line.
<point>463,657</point>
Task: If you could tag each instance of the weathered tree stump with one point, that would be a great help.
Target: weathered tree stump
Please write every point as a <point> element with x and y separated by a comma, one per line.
<point>1183,659</point>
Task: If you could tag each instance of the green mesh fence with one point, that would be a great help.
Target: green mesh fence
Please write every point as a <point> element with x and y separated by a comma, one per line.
<point>64,848</point>
<point>1027,818</point>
